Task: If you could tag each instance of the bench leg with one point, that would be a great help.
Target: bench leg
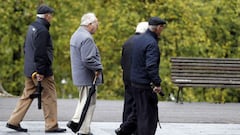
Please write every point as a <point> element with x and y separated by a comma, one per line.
<point>180,90</point>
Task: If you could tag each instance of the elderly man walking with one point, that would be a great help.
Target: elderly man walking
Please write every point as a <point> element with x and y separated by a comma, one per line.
<point>86,65</point>
<point>38,57</point>
<point>145,74</point>
<point>129,121</point>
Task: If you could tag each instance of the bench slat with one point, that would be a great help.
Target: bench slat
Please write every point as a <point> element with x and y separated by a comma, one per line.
<point>206,75</point>
<point>204,78</point>
<point>191,71</point>
<point>230,68</point>
<point>205,60</point>
<point>206,65</point>
<point>208,85</point>
<point>188,81</point>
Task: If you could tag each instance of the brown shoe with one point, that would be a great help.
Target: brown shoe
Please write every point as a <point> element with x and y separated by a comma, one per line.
<point>85,134</point>
<point>17,128</point>
<point>57,130</point>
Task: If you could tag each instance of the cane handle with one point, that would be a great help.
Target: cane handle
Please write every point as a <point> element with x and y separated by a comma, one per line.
<point>94,80</point>
<point>34,75</point>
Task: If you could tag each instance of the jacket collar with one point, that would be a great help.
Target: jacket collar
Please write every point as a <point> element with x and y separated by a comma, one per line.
<point>44,22</point>
<point>154,35</point>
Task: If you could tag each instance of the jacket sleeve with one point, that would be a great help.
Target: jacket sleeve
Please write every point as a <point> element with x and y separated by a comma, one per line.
<point>90,55</point>
<point>122,57</point>
<point>152,63</point>
<point>41,57</point>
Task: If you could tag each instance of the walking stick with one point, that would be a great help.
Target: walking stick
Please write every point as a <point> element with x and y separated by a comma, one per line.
<point>38,93</point>
<point>92,90</point>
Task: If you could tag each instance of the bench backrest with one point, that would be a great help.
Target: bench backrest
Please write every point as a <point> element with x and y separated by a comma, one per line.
<point>205,72</point>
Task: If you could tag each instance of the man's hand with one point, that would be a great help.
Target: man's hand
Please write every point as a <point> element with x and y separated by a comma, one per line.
<point>97,73</point>
<point>157,89</point>
<point>39,77</point>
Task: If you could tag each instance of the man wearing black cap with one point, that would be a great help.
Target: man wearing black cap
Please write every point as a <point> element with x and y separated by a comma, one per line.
<point>38,58</point>
<point>145,76</point>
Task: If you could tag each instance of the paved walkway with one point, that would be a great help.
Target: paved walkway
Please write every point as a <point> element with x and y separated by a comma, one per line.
<point>107,128</point>
<point>176,119</point>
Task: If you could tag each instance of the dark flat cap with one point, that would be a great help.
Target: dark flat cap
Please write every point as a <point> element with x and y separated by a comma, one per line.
<point>44,9</point>
<point>156,21</point>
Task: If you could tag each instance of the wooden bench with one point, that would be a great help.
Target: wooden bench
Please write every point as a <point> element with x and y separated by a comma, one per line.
<point>205,72</point>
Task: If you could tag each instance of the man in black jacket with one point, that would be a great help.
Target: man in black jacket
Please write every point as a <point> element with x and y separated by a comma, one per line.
<point>129,123</point>
<point>144,74</point>
<point>38,58</point>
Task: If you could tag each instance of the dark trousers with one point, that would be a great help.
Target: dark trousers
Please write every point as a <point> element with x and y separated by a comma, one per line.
<point>146,110</point>
<point>129,111</point>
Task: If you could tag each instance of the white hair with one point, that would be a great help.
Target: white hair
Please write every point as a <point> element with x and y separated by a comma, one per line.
<point>142,27</point>
<point>40,15</point>
<point>88,18</point>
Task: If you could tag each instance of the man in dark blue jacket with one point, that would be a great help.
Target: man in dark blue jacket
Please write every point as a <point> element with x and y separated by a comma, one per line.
<point>128,125</point>
<point>145,75</point>
<point>38,58</point>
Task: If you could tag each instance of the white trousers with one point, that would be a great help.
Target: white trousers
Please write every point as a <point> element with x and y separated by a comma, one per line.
<point>83,94</point>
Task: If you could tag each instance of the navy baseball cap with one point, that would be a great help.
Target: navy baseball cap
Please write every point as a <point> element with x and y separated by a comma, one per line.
<point>156,21</point>
<point>44,9</point>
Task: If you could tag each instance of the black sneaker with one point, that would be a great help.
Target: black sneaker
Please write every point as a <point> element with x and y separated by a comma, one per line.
<point>17,128</point>
<point>118,131</point>
<point>73,126</point>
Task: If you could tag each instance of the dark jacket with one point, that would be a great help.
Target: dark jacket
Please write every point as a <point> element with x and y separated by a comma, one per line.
<point>146,60</point>
<point>127,58</point>
<point>38,49</point>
